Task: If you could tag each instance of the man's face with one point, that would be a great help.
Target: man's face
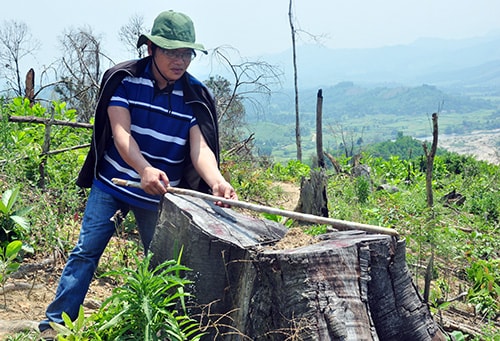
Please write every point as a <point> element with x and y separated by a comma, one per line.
<point>173,63</point>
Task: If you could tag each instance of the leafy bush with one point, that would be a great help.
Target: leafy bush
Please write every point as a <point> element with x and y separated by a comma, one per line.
<point>485,290</point>
<point>363,189</point>
<point>60,201</point>
<point>13,223</point>
<point>292,171</point>
<point>23,143</point>
<point>77,330</point>
<point>8,263</point>
<point>486,205</point>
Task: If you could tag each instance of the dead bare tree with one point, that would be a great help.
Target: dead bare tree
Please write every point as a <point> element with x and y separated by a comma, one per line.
<point>16,42</point>
<point>130,32</point>
<point>348,139</point>
<point>248,78</point>
<point>319,129</point>
<point>230,108</point>
<point>295,82</point>
<point>430,160</point>
<point>294,31</point>
<point>81,70</point>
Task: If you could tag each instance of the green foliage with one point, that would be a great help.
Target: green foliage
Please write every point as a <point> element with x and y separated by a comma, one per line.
<point>278,218</point>
<point>149,305</point>
<point>21,159</point>
<point>458,336</point>
<point>146,306</point>
<point>485,204</point>
<point>485,290</point>
<point>8,263</point>
<point>23,143</point>
<point>77,330</point>
<point>403,147</point>
<point>292,171</point>
<point>13,223</point>
<point>362,189</point>
<point>438,299</point>
<point>28,335</point>
<point>252,184</point>
<point>316,230</point>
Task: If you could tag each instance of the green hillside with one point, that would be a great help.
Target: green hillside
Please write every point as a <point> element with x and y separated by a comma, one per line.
<point>364,115</point>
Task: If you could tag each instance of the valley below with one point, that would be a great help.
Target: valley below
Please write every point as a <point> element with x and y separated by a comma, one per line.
<point>484,145</point>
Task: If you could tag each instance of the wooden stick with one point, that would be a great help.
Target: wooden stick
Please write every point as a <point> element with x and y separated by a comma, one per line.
<point>336,223</point>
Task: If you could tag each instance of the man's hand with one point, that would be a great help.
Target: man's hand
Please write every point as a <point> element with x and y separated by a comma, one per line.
<point>225,190</point>
<point>154,181</point>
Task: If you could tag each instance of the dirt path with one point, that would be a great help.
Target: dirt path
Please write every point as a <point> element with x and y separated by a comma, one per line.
<point>24,299</point>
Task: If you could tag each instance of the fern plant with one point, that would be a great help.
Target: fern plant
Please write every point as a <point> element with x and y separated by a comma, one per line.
<point>149,306</point>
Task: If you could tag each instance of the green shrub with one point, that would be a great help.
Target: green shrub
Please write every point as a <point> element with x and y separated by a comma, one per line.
<point>146,307</point>
<point>485,290</point>
<point>8,263</point>
<point>13,223</point>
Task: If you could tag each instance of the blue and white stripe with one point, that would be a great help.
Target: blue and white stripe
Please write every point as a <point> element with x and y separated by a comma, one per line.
<point>160,124</point>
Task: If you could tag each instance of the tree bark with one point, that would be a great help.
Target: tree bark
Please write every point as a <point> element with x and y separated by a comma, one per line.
<point>29,82</point>
<point>319,129</point>
<point>313,198</point>
<point>343,286</point>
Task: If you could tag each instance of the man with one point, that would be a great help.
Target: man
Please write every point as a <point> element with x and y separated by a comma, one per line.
<point>154,123</point>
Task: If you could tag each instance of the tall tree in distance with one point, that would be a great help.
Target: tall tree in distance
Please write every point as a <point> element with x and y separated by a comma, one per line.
<point>16,42</point>
<point>130,32</point>
<point>295,82</point>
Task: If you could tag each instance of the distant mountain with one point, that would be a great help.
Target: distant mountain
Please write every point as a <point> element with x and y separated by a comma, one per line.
<point>349,99</point>
<point>485,77</point>
<point>440,62</point>
<point>380,93</point>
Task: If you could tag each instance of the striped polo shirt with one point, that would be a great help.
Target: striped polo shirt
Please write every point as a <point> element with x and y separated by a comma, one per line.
<point>160,124</point>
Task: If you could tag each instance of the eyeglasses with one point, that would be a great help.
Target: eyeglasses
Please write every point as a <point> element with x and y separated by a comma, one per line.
<point>186,56</point>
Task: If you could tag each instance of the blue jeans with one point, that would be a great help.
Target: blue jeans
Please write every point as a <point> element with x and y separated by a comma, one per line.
<point>96,231</point>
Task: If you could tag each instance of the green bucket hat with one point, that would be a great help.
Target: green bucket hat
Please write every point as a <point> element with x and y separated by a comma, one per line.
<point>172,30</point>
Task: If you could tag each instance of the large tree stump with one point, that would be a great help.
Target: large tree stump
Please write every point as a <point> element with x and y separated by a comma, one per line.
<point>348,286</point>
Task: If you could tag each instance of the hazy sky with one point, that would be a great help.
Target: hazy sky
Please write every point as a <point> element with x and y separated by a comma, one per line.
<point>258,27</point>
